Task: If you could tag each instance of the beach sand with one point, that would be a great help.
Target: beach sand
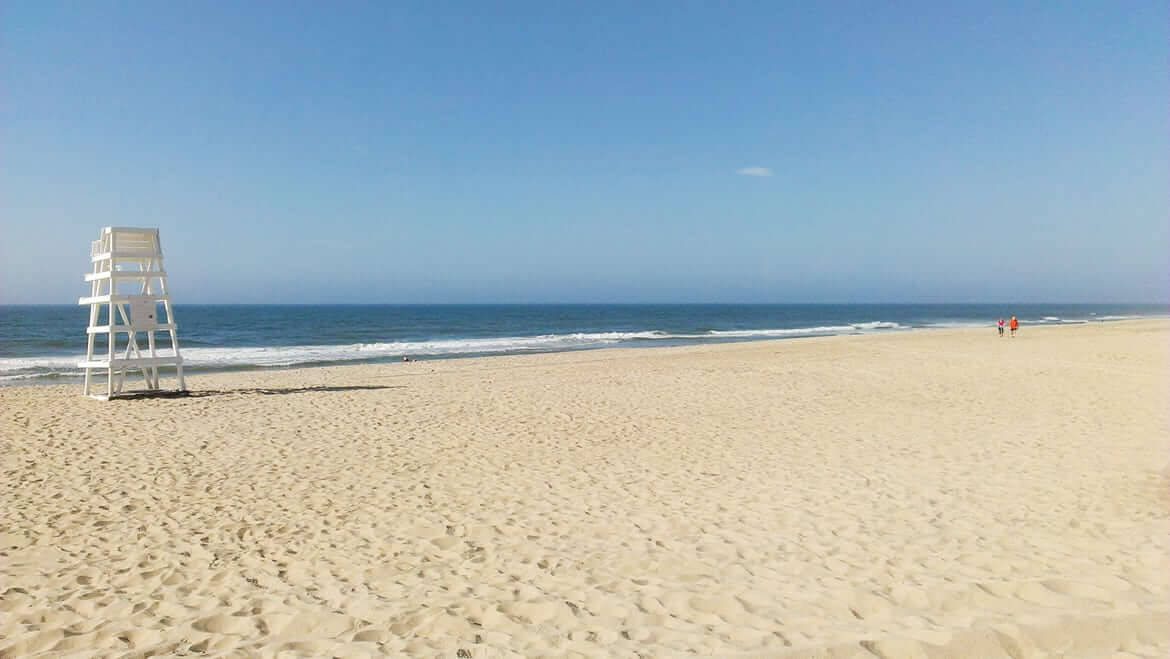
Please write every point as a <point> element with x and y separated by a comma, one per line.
<point>916,494</point>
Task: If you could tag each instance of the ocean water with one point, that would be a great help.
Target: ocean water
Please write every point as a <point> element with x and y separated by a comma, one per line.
<point>43,343</point>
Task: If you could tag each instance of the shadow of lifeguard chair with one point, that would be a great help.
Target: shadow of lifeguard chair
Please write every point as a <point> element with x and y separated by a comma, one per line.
<point>127,287</point>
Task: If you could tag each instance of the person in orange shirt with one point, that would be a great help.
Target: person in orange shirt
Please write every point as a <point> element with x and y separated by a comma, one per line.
<point>1015,325</point>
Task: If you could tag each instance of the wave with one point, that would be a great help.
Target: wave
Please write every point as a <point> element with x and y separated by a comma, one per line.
<point>40,375</point>
<point>291,355</point>
<point>958,324</point>
<point>52,362</point>
<point>1051,319</point>
<point>17,368</point>
<point>1093,318</point>
<point>202,357</point>
<point>803,331</point>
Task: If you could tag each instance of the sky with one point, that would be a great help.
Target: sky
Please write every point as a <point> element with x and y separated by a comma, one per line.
<point>443,152</point>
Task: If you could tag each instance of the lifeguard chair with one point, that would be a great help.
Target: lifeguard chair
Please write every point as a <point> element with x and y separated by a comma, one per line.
<point>127,287</point>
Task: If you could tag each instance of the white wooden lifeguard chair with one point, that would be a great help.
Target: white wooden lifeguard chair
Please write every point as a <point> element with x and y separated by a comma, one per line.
<point>128,284</point>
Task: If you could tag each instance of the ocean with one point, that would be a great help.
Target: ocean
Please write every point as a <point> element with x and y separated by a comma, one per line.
<point>41,344</point>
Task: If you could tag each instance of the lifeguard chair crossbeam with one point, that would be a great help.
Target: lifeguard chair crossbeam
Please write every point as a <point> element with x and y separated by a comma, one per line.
<point>127,286</point>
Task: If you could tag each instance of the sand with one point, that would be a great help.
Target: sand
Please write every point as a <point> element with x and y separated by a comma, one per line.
<point>918,494</point>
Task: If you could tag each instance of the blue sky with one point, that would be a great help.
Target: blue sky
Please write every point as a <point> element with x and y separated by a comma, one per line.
<point>592,152</point>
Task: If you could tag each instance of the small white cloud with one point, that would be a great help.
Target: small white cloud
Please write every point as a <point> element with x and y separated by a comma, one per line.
<point>755,171</point>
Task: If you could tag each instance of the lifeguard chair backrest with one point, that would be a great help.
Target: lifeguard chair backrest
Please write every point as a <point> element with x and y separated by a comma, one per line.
<point>129,240</point>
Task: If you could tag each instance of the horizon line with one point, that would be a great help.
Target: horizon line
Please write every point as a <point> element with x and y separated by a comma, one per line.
<point>616,304</point>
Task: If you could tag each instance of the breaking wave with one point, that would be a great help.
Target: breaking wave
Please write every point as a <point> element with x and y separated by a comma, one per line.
<point>56,366</point>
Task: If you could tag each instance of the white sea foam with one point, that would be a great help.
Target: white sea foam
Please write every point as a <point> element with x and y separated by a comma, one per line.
<point>55,362</point>
<point>291,355</point>
<point>804,331</point>
<point>16,368</point>
<point>877,324</point>
<point>958,324</point>
<point>39,375</point>
<point>795,331</point>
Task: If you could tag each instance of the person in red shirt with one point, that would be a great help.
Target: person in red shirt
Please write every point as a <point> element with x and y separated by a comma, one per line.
<point>1015,324</point>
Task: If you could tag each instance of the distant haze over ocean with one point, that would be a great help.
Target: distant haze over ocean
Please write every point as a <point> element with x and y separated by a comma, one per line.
<point>43,343</point>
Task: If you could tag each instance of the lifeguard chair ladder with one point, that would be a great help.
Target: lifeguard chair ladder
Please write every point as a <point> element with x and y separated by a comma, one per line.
<point>133,257</point>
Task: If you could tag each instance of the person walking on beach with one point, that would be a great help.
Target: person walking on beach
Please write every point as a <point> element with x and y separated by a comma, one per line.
<point>1001,328</point>
<point>1015,324</point>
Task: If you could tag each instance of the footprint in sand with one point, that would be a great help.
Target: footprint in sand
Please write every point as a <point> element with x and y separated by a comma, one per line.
<point>223,624</point>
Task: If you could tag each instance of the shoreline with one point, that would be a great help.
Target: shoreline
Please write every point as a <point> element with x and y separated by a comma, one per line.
<point>44,380</point>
